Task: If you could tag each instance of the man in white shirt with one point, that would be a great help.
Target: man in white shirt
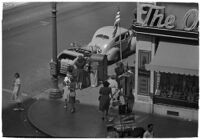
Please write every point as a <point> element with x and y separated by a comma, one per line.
<point>149,132</point>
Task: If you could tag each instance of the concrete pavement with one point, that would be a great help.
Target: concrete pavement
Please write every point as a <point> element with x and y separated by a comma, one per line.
<point>50,117</point>
<point>15,123</point>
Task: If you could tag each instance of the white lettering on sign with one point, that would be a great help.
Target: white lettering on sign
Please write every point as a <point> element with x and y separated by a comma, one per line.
<point>194,13</point>
<point>153,17</point>
<point>168,22</point>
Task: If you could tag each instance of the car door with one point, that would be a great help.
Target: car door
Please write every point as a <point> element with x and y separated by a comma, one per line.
<point>124,42</point>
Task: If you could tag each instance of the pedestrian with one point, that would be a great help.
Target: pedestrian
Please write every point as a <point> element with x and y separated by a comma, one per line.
<point>119,70</point>
<point>70,70</point>
<point>80,63</point>
<point>115,91</point>
<point>72,96</point>
<point>149,132</point>
<point>94,73</point>
<point>66,92</point>
<point>104,99</point>
<point>130,98</point>
<point>16,96</point>
<point>87,73</point>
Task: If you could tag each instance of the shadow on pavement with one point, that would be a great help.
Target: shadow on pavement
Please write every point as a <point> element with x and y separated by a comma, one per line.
<point>50,117</point>
<point>15,123</point>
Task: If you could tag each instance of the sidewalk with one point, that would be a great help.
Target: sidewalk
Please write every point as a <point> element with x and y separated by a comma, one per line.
<point>50,117</point>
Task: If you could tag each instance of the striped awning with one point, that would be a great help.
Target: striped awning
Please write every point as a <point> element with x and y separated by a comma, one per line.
<point>175,58</point>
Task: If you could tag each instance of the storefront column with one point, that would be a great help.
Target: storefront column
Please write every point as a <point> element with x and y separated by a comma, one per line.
<point>144,47</point>
<point>152,76</point>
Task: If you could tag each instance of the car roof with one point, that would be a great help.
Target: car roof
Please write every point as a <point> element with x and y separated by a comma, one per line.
<point>108,30</point>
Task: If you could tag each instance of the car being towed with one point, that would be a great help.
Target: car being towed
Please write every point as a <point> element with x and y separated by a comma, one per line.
<point>103,42</point>
<point>68,57</point>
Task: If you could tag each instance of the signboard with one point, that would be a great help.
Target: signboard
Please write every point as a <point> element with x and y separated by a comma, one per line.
<point>144,57</point>
<point>154,16</point>
<point>143,85</point>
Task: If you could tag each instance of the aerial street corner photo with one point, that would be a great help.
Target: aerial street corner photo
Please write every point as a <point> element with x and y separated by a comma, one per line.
<point>100,69</point>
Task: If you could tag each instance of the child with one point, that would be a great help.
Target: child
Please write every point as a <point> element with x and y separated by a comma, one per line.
<point>72,96</point>
<point>66,93</point>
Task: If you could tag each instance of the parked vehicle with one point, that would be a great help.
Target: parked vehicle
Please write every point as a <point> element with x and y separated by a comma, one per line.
<point>103,42</point>
<point>68,57</point>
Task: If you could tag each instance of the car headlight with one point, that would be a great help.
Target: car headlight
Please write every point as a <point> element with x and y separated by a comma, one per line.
<point>99,50</point>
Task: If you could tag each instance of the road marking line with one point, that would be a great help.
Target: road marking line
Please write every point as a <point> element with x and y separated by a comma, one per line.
<point>10,91</point>
<point>44,23</point>
<point>7,90</point>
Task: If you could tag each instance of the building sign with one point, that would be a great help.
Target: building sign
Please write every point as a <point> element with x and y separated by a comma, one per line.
<point>143,85</point>
<point>144,57</point>
<point>153,16</point>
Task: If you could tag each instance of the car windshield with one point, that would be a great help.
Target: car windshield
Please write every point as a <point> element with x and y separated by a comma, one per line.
<point>102,36</point>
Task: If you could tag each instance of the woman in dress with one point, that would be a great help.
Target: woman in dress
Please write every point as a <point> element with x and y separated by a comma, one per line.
<point>104,99</point>
<point>66,92</point>
<point>80,63</point>
<point>16,92</point>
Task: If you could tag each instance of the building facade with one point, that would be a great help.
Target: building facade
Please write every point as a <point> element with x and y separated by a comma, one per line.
<point>167,59</point>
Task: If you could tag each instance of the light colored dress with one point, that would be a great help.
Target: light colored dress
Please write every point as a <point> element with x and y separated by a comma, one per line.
<point>114,86</point>
<point>66,93</point>
<point>16,89</point>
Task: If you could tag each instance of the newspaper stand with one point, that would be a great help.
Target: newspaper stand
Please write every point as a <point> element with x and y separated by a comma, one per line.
<point>123,125</point>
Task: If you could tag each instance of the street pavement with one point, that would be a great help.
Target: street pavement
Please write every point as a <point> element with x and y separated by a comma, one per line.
<point>15,123</point>
<point>27,40</point>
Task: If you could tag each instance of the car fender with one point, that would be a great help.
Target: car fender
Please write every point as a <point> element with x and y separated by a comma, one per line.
<point>113,54</point>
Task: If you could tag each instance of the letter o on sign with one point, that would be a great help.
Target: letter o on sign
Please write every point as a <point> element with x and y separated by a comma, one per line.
<point>194,13</point>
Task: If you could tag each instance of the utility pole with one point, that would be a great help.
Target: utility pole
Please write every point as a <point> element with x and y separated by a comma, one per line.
<point>55,93</point>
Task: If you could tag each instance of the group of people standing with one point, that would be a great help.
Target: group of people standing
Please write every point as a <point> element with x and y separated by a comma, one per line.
<point>114,90</point>
<point>82,73</point>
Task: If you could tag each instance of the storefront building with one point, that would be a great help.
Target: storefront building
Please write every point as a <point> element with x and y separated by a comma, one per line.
<point>167,59</point>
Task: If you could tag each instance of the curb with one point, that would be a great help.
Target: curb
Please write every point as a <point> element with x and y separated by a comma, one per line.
<point>31,123</point>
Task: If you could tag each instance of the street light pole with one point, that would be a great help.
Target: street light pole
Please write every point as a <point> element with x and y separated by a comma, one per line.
<point>55,92</point>
<point>54,32</point>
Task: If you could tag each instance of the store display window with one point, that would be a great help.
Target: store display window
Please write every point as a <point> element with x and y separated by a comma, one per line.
<point>177,87</point>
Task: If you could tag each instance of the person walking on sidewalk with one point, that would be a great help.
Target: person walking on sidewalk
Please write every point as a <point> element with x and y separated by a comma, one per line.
<point>115,91</point>
<point>149,132</point>
<point>16,92</point>
<point>104,99</point>
<point>66,92</point>
<point>72,96</point>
